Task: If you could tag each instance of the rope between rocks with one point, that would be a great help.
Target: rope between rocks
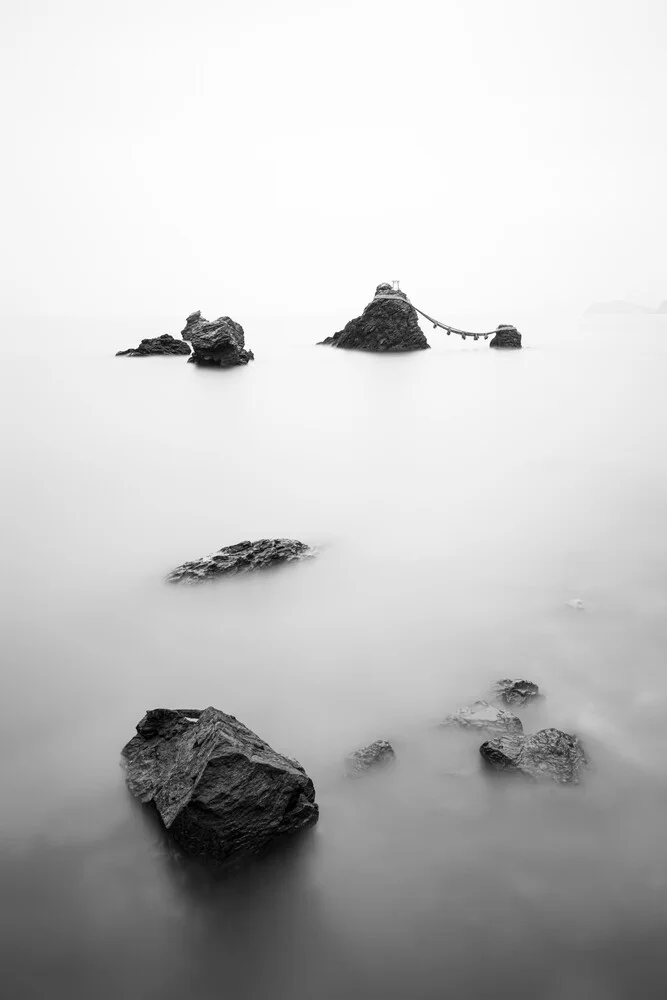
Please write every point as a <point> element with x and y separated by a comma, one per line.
<point>436,322</point>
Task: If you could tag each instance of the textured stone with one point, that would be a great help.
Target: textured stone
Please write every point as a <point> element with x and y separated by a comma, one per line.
<point>482,716</point>
<point>219,343</point>
<point>516,692</point>
<point>240,558</point>
<point>378,754</point>
<point>388,323</point>
<point>548,753</point>
<point>506,336</point>
<point>165,344</point>
<point>219,789</point>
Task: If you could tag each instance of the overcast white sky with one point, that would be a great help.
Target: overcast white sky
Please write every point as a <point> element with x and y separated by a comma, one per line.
<point>248,156</point>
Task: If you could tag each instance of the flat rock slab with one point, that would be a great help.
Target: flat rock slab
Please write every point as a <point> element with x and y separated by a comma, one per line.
<point>547,754</point>
<point>218,788</point>
<point>512,691</point>
<point>482,716</point>
<point>165,344</point>
<point>389,323</point>
<point>243,557</point>
<point>506,337</point>
<point>375,755</point>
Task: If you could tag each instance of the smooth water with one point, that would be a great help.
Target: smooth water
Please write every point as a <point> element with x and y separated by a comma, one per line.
<point>459,498</point>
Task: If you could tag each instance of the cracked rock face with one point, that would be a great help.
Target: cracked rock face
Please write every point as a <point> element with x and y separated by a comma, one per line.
<point>547,754</point>
<point>516,692</point>
<point>506,336</point>
<point>482,716</point>
<point>388,324</point>
<point>219,789</point>
<point>219,343</point>
<point>240,558</point>
<point>156,345</point>
<point>375,755</point>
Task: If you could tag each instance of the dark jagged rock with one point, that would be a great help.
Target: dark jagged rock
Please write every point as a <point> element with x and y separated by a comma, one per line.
<point>516,692</point>
<point>548,753</point>
<point>378,754</point>
<point>388,323</point>
<point>482,716</point>
<point>506,336</point>
<point>165,344</point>
<point>220,342</point>
<point>240,558</point>
<point>219,789</point>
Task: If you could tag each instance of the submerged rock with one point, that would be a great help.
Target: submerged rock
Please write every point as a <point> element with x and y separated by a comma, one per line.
<point>220,342</point>
<point>388,323</point>
<point>482,716</point>
<point>506,336</point>
<point>576,604</point>
<point>166,344</point>
<point>378,754</point>
<point>548,753</point>
<point>240,558</point>
<point>218,788</point>
<point>516,692</point>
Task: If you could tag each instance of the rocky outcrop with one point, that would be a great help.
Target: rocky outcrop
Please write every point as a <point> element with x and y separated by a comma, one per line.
<point>548,753</point>
<point>662,308</point>
<point>219,343</point>
<point>240,558</point>
<point>219,789</point>
<point>482,716</point>
<point>388,323</point>
<point>516,692</point>
<point>506,336</point>
<point>165,344</point>
<point>375,755</point>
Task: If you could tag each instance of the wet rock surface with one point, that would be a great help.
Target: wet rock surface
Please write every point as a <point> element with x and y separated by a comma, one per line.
<point>219,789</point>
<point>165,344</point>
<point>218,343</point>
<point>387,324</point>
<point>506,336</point>
<point>375,755</point>
<point>547,754</point>
<point>240,558</point>
<point>516,692</point>
<point>483,716</point>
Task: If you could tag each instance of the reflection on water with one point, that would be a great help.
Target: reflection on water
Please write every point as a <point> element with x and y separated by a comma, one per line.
<point>459,498</point>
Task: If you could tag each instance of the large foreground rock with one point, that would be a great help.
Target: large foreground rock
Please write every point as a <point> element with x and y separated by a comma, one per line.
<point>165,344</point>
<point>375,755</point>
<point>240,558</point>
<point>506,336</point>
<point>220,342</point>
<point>219,789</point>
<point>482,716</point>
<point>548,753</point>
<point>388,323</point>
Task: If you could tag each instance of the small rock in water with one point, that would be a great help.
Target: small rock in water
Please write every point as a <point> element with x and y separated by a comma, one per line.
<point>389,323</point>
<point>481,715</point>
<point>240,558</point>
<point>506,336</point>
<point>378,754</point>
<point>576,604</point>
<point>220,342</point>
<point>218,788</point>
<point>516,692</point>
<point>548,753</point>
<point>165,344</point>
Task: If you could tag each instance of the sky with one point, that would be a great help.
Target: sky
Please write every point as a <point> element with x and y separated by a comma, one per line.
<point>253,156</point>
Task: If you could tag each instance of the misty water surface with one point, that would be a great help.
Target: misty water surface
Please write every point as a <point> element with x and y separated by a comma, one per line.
<point>458,498</point>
